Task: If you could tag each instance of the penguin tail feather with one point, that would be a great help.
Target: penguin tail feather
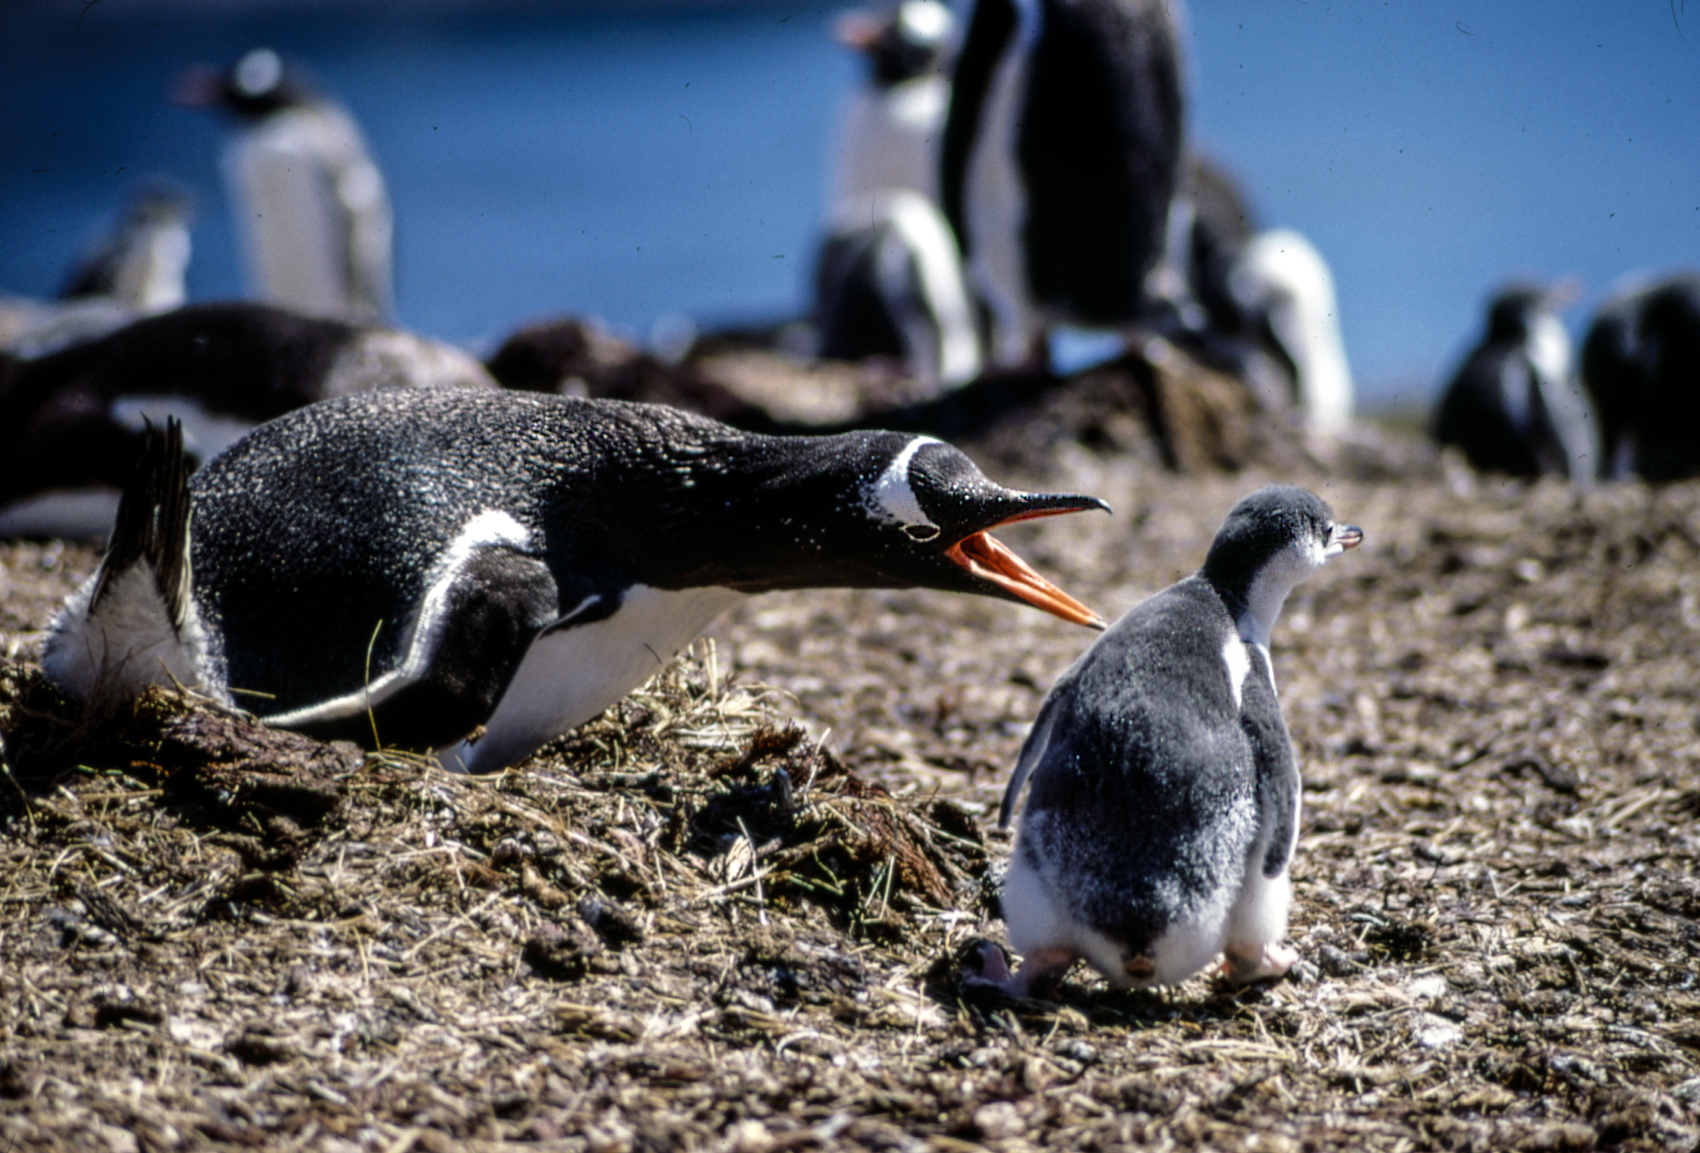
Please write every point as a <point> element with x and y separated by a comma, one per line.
<point>153,522</point>
<point>134,622</point>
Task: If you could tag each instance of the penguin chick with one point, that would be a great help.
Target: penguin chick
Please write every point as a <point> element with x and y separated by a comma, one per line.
<point>410,564</point>
<point>1165,794</point>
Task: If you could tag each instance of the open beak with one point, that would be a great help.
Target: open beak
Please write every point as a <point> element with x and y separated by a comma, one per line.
<point>1348,536</point>
<point>990,559</point>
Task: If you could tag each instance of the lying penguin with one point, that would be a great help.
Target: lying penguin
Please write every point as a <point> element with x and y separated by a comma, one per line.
<point>1165,796</point>
<point>407,566</point>
<point>71,423</point>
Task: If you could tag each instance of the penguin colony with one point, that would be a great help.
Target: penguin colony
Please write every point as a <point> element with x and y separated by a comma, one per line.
<point>476,572</point>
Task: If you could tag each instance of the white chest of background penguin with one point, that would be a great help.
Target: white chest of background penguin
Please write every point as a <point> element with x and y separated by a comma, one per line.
<point>442,559</point>
<point>1165,795</point>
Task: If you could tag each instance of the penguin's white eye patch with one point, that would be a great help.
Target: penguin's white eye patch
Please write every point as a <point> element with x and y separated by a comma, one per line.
<point>892,497</point>
<point>922,532</point>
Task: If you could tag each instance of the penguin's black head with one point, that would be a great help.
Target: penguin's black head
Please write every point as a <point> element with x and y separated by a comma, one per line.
<point>1515,310</point>
<point>899,45</point>
<point>260,83</point>
<point>1273,539</point>
<point>926,513</point>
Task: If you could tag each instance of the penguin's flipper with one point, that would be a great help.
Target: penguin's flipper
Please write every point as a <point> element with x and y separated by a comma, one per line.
<point>1277,769</point>
<point>1258,919</point>
<point>467,638</point>
<point>133,623</point>
<point>1032,752</point>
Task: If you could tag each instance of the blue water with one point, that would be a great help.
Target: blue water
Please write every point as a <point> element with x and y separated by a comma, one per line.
<point>635,164</point>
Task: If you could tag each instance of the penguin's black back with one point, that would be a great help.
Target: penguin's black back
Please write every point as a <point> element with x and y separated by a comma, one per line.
<point>1147,789</point>
<point>316,535</point>
<point>244,360</point>
<point>1613,372</point>
<point>1668,424</point>
<point>1100,147</point>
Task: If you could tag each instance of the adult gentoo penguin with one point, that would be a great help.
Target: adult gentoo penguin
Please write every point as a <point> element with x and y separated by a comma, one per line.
<point>311,207</point>
<point>414,564</point>
<point>1165,794</point>
<point>889,280</point>
<point>1061,156</point>
<point>888,133</point>
<point>71,423</point>
<point>1282,281</point>
<point>1515,405</point>
<point>1641,365</point>
<point>136,268</point>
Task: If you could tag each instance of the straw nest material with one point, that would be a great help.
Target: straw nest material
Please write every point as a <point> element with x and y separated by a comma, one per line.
<point>726,916</point>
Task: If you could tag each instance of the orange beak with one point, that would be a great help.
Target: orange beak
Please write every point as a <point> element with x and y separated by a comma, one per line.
<point>987,558</point>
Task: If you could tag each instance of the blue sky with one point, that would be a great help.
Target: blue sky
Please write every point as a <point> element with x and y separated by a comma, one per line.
<point>631,163</point>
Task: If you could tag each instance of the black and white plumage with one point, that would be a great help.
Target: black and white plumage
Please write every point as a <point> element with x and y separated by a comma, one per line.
<point>135,269</point>
<point>1641,365</point>
<point>1164,798</point>
<point>419,563</point>
<point>71,423</point>
<point>1062,153</point>
<point>1515,405</point>
<point>141,262</point>
<point>888,132</point>
<point>1281,280</point>
<point>890,282</point>
<point>312,210</point>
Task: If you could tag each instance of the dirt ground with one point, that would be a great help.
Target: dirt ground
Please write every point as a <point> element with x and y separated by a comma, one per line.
<point>728,915</point>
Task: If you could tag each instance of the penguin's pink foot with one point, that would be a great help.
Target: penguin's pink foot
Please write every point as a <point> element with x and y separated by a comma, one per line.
<point>1038,970</point>
<point>1245,964</point>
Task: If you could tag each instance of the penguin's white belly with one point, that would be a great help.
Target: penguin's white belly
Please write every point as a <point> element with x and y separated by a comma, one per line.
<point>569,676</point>
<point>1037,919</point>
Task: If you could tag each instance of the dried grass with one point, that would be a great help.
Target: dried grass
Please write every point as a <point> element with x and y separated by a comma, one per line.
<point>692,924</point>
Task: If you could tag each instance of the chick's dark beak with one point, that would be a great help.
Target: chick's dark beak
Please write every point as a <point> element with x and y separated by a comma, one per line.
<point>1348,535</point>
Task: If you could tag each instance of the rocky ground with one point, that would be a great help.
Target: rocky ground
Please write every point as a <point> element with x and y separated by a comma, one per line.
<point>729,914</point>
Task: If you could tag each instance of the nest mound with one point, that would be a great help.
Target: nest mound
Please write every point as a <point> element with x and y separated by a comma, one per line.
<point>283,937</point>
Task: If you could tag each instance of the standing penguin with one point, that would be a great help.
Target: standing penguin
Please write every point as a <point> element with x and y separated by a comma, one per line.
<point>408,565</point>
<point>1165,794</point>
<point>311,207</point>
<point>888,134</point>
<point>136,269</point>
<point>1641,364</point>
<point>1515,405</point>
<point>889,280</point>
<point>1667,422</point>
<point>1062,153</point>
